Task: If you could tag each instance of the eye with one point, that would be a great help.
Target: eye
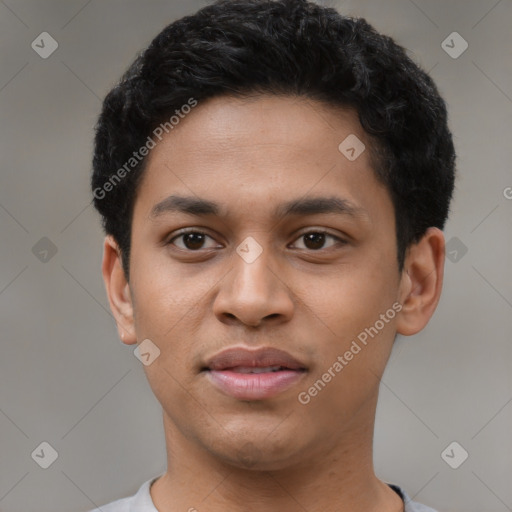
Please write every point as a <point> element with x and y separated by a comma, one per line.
<point>195,240</point>
<point>314,240</point>
<point>192,240</point>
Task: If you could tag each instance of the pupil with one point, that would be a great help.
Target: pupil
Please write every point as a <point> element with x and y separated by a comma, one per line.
<point>318,240</point>
<point>190,243</point>
<point>312,240</point>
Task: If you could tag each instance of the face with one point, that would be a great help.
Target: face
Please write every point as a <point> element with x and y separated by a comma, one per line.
<point>252,231</point>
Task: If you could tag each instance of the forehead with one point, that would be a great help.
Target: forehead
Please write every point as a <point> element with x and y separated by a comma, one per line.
<point>259,153</point>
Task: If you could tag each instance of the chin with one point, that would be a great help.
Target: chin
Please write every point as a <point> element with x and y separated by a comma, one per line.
<point>257,452</point>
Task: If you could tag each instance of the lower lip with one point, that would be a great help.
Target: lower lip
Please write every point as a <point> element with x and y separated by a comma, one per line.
<point>253,386</point>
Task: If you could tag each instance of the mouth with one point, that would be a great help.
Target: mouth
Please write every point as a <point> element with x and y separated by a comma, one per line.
<point>253,374</point>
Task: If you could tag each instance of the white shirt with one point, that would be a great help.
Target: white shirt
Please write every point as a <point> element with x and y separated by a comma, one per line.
<point>141,501</point>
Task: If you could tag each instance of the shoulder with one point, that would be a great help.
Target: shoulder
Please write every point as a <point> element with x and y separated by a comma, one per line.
<point>410,506</point>
<point>139,502</point>
<point>122,505</point>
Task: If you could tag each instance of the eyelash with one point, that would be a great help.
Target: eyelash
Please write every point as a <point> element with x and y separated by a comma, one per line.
<point>316,231</point>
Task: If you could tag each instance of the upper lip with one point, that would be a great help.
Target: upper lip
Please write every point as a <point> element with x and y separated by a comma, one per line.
<point>259,358</point>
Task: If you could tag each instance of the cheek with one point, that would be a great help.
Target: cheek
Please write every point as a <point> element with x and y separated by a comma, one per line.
<point>351,299</point>
<point>349,308</point>
<point>347,373</point>
<point>175,394</point>
<point>165,299</point>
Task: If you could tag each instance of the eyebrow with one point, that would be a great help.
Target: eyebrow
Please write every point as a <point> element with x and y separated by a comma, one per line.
<point>297,207</point>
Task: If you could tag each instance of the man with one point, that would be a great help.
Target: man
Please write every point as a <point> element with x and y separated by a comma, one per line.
<point>273,180</point>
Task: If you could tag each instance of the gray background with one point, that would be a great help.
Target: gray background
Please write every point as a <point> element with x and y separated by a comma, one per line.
<point>66,379</point>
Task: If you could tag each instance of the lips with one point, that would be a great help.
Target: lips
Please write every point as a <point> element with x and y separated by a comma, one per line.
<point>253,374</point>
<point>261,358</point>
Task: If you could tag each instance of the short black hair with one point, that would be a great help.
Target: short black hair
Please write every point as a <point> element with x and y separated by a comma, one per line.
<point>282,47</point>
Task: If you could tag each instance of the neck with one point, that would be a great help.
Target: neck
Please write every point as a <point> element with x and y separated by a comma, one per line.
<point>337,477</point>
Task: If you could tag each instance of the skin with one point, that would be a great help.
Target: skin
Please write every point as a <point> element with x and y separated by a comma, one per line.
<point>192,299</point>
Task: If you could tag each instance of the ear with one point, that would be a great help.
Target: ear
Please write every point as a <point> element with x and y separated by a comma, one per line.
<point>421,282</point>
<point>118,291</point>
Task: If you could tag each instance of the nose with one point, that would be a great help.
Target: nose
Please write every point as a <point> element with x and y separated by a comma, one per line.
<point>254,292</point>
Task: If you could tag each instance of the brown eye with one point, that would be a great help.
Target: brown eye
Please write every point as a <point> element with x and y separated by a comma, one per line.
<point>191,240</point>
<point>315,240</point>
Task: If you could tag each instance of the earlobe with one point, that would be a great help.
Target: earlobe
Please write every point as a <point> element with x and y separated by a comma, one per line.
<point>421,282</point>
<point>118,291</point>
